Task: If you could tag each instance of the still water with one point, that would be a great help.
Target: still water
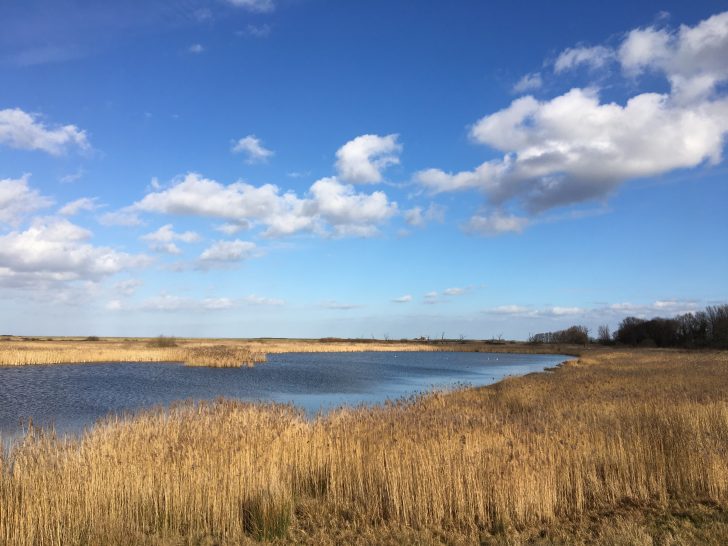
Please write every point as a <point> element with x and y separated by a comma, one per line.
<point>73,396</point>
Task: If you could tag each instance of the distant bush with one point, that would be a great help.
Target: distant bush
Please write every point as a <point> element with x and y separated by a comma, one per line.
<point>163,341</point>
<point>92,338</point>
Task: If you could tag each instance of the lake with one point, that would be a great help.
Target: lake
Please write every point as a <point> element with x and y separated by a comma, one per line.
<point>73,396</point>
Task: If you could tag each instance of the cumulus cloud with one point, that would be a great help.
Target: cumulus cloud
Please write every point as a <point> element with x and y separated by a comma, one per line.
<point>128,287</point>
<point>455,291</point>
<point>529,82</point>
<point>403,299</point>
<point>255,31</point>
<point>57,250</point>
<point>419,217</point>
<point>576,147</point>
<point>496,223</point>
<point>362,160</point>
<point>256,6</point>
<point>196,49</point>
<point>79,205</point>
<point>170,302</point>
<point>592,57</point>
<point>350,213</point>
<point>18,199</point>
<point>610,312</point>
<point>124,217</point>
<point>221,252</point>
<point>253,148</point>
<point>231,228</point>
<point>162,240</point>
<point>254,299</point>
<point>24,131</point>
<point>531,312</point>
<point>694,59</point>
<point>331,207</point>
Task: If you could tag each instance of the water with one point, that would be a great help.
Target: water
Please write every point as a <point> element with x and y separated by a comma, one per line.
<point>73,396</point>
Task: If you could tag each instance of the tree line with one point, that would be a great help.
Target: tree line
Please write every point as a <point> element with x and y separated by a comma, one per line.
<point>707,328</point>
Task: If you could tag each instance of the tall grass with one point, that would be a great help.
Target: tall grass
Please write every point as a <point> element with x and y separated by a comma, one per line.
<point>220,353</point>
<point>161,349</point>
<point>530,453</point>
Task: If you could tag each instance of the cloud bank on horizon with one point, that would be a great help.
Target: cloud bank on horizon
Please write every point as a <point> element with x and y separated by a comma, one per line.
<point>543,156</point>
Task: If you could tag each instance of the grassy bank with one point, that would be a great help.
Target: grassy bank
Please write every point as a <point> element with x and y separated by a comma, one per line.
<point>617,448</point>
<point>214,353</point>
<point>18,351</point>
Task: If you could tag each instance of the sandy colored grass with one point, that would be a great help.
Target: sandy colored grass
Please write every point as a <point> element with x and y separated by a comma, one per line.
<point>214,353</point>
<point>15,351</point>
<point>617,448</point>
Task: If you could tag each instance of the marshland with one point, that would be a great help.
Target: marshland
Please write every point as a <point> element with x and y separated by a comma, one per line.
<point>613,447</point>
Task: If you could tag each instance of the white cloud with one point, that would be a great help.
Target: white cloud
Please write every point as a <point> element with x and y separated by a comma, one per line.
<point>260,300</point>
<point>496,223</point>
<point>575,147</point>
<point>253,148</point>
<point>528,82</point>
<point>114,305</point>
<point>128,287</point>
<point>454,291</point>
<point>196,49</point>
<point>162,240</point>
<point>419,217</point>
<point>72,177</point>
<point>403,299</point>
<point>170,302</point>
<point>123,217</point>
<point>330,207</point>
<point>57,250</point>
<point>694,59</point>
<point>566,311</point>
<point>593,57</point>
<point>362,160</point>
<point>228,251</point>
<point>17,200</point>
<point>232,228</point>
<point>347,211</point>
<point>24,131</point>
<point>510,310</point>
<point>256,31</point>
<point>612,313</point>
<point>257,6</point>
<point>82,204</point>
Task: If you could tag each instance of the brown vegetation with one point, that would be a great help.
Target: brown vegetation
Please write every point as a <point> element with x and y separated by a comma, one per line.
<point>617,448</point>
<point>191,352</point>
<point>220,353</point>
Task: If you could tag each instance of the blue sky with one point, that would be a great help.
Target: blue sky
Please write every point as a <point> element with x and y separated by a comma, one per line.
<point>308,168</point>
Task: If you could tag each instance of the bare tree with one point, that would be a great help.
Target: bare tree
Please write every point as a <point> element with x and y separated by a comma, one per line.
<point>604,335</point>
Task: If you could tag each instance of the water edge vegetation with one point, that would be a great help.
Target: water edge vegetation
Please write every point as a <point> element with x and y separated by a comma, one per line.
<point>616,447</point>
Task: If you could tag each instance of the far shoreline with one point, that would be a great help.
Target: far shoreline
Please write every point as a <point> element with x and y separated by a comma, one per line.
<point>226,352</point>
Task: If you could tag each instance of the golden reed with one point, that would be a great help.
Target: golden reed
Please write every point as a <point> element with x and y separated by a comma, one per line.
<point>558,456</point>
<point>218,352</point>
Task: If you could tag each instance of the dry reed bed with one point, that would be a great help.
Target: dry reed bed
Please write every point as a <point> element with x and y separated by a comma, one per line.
<point>648,428</point>
<point>212,353</point>
<point>220,353</point>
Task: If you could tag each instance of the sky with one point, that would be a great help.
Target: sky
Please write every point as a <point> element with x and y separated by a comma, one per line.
<point>312,168</point>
